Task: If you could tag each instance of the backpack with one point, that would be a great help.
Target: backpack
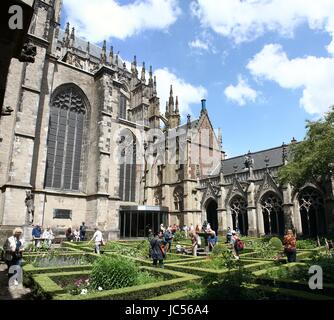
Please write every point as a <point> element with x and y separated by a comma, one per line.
<point>239,245</point>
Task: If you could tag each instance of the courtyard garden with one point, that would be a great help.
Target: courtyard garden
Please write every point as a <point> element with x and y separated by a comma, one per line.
<point>124,270</point>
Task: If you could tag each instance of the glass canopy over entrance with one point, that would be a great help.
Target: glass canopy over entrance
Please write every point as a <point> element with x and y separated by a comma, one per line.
<point>135,221</point>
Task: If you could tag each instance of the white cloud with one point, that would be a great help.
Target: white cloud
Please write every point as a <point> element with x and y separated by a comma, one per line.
<point>199,44</point>
<point>314,75</point>
<point>99,20</point>
<point>241,93</point>
<point>249,19</point>
<point>187,93</point>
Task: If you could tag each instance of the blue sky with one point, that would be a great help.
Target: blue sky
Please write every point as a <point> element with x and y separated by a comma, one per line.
<point>264,66</point>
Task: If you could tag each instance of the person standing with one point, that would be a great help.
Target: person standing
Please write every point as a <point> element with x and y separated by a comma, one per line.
<point>157,252</point>
<point>168,235</point>
<point>194,241</point>
<point>83,229</point>
<point>228,235</point>
<point>14,248</point>
<point>289,243</point>
<point>98,237</point>
<point>237,245</point>
<point>36,235</point>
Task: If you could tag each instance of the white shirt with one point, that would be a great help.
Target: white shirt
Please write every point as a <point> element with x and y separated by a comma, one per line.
<point>47,234</point>
<point>98,236</point>
<point>11,245</point>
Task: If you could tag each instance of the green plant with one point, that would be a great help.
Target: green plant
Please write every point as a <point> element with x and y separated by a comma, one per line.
<point>145,277</point>
<point>306,244</point>
<point>275,243</point>
<point>111,272</point>
<point>179,235</point>
<point>219,249</point>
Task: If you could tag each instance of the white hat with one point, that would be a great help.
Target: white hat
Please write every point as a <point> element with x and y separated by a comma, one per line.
<point>233,232</point>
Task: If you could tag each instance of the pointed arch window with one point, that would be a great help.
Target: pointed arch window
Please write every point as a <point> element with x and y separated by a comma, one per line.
<point>273,216</point>
<point>238,207</point>
<point>122,106</point>
<point>178,199</point>
<point>312,212</point>
<point>65,139</point>
<point>128,166</point>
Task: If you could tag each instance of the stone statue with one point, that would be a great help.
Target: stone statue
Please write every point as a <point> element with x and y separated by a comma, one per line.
<point>29,201</point>
<point>249,162</point>
<point>28,53</point>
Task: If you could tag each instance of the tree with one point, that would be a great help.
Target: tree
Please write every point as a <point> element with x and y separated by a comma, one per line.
<point>311,160</point>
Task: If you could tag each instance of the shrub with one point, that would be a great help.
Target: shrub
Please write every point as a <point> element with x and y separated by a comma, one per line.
<point>219,249</point>
<point>231,286</point>
<point>275,243</point>
<point>306,244</point>
<point>111,272</point>
<point>145,277</point>
<point>179,235</point>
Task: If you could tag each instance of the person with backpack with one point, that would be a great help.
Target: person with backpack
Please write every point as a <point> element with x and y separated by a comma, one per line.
<point>237,245</point>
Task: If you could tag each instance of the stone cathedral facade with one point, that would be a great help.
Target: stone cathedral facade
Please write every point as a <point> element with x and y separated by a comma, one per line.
<point>88,141</point>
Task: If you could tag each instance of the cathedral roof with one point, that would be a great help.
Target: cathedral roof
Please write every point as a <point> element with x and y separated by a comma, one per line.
<point>94,50</point>
<point>237,164</point>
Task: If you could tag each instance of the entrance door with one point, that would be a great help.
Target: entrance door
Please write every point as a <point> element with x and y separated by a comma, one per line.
<point>211,214</point>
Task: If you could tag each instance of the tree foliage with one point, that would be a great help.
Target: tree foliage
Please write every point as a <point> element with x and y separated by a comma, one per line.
<point>311,160</point>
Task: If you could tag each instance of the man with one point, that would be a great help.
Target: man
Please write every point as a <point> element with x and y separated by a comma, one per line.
<point>157,252</point>
<point>228,235</point>
<point>98,240</point>
<point>168,235</point>
<point>14,248</point>
<point>83,229</point>
<point>36,235</point>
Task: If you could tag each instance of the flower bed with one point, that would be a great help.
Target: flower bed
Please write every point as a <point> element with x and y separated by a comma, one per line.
<point>49,286</point>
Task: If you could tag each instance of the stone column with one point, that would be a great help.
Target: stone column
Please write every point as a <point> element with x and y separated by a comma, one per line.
<point>288,207</point>
<point>251,210</point>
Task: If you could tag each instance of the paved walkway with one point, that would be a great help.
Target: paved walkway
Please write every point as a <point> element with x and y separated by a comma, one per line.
<point>13,293</point>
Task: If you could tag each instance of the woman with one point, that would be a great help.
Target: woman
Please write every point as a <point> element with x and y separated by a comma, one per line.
<point>14,248</point>
<point>212,239</point>
<point>194,240</point>
<point>289,243</point>
<point>157,253</point>
<point>48,236</point>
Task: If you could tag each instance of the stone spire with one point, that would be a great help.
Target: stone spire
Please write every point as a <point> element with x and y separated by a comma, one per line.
<point>88,50</point>
<point>150,80</point>
<point>143,77</point>
<point>188,121</point>
<point>177,110</point>
<point>116,60</point>
<point>171,100</point>
<point>111,55</point>
<point>104,53</point>
<point>66,38</point>
<point>155,86</point>
<point>72,38</point>
<point>203,110</point>
<point>167,109</point>
<point>220,138</point>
